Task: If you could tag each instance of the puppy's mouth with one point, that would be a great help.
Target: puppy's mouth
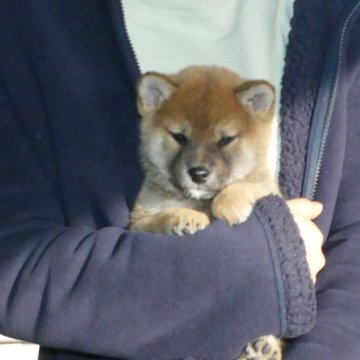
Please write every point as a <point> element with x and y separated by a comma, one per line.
<point>197,192</point>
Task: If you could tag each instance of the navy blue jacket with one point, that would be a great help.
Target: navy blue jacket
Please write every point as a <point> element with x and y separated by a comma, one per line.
<point>76,281</point>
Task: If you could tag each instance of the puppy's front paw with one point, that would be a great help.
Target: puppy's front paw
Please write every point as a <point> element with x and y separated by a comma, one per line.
<point>263,348</point>
<point>185,221</point>
<point>231,207</point>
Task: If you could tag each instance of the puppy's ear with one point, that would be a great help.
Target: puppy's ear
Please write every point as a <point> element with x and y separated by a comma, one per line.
<point>153,90</point>
<point>257,97</point>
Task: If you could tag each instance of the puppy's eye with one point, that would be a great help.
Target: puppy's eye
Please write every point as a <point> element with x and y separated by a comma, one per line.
<point>180,138</point>
<point>226,140</point>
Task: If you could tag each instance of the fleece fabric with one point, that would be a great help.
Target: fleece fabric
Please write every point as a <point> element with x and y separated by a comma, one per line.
<point>75,279</point>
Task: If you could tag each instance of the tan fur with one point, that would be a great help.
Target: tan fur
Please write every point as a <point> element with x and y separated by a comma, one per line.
<point>186,119</point>
<point>172,220</point>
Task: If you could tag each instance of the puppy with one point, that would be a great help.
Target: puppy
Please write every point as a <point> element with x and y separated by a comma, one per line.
<point>205,135</point>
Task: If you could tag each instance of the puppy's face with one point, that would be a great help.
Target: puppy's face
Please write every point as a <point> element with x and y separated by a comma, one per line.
<point>203,128</point>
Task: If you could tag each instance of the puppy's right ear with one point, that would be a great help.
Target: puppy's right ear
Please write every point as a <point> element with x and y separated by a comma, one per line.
<point>153,90</point>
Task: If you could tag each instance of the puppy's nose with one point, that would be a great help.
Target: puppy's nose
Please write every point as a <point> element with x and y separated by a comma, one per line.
<point>199,174</point>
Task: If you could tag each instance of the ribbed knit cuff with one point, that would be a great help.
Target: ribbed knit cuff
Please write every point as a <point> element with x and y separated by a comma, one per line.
<point>296,290</point>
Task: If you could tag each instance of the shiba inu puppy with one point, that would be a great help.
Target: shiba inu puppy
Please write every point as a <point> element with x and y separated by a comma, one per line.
<point>205,134</point>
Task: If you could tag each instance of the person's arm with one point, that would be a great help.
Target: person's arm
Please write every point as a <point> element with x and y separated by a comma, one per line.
<point>135,295</point>
<point>337,331</point>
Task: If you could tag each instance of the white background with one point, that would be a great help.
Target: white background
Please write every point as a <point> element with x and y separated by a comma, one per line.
<point>16,350</point>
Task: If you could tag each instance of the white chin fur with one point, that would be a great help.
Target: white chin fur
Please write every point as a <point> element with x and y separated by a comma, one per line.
<point>199,194</point>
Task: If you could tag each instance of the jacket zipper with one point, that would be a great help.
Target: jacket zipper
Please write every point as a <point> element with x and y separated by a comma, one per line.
<point>122,35</point>
<point>324,107</point>
<point>127,35</point>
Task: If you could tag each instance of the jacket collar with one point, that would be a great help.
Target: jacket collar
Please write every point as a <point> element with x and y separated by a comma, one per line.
<point>308,44</point>
<point>118,22</point>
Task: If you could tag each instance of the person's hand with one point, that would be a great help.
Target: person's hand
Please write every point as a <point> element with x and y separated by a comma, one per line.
<point>304,212</point>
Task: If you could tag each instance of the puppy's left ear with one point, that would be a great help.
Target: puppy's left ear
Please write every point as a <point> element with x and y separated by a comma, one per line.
<point>257,97</point>
<point>153,90</point>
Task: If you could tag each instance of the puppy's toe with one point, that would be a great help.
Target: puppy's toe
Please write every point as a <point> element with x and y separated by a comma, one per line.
<point>187,222</point>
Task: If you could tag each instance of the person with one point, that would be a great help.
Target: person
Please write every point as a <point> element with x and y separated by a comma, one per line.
<point>73,277</point>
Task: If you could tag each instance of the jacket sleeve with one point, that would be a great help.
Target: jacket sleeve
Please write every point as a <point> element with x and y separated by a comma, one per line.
<point>337,331</point>
<point>124,294</point>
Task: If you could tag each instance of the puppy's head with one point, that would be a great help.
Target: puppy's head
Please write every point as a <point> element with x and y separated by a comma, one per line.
<point>203,128</point>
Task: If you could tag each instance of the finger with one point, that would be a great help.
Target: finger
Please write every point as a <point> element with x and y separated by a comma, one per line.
<point>309,230</point>
<point>313,239</point>
<point>305,208</point>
